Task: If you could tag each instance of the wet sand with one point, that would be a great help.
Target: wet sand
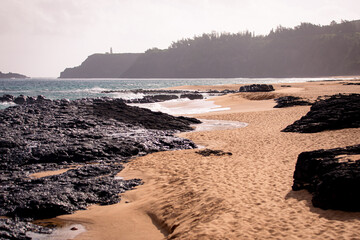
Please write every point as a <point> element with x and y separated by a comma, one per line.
<point>49,173</point>
<point>243,196</point>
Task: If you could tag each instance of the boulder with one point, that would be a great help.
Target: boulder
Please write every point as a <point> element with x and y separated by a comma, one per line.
<point>163,97</point>
<point>7,98</point>
<point>192,96</point>
<point>256,88</point>
<point>332,176</point>
<point>20,99</point>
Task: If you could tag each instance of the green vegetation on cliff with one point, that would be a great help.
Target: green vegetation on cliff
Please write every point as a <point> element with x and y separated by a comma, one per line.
<point>307,50</point>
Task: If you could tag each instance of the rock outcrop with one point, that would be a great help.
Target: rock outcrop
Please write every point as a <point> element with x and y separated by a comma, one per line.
<point>7,98</point>
<point>192,96</point>
<point>96,135</point>
<point>147,96</point>
<point>73,190</point>
<point>332,176</point>
<point>256,88</point>
<point>337,112</point>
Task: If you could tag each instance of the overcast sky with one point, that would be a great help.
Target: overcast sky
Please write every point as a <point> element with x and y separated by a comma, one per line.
<point>40,38</point>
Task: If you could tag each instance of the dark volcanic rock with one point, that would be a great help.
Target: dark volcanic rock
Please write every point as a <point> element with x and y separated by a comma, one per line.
<point>153,98</point>
<point>347,83</point>
<point>75,189</point>
<point>7,98</point>
<point>119,111</point>
<point>20,99</point>
<point>192,96</point>
<point>64,132</point>
<point>163,97</point>
<point>159,95</point>
<point>256,88</point>
<point>333,176</point>
<point>16,230</point>
<point>290,101</point>
<point>23,99</point>
<point>337,112</point>
<point>50,135</point>
<point>209,152</point>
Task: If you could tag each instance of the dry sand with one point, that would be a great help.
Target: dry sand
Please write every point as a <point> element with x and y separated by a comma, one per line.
<point>243,196</point>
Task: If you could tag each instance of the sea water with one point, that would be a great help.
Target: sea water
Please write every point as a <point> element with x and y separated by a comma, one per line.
<point>71,89</point>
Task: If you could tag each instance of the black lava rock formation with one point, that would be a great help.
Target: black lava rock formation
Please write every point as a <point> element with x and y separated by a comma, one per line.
<point>257,88</point>
<point>96,135</point>
<point>290,101</point>
<point>333,177</point>
<point>337,112</point>
<point>7,98</point>
<point>23,99</point>
<point>149,96</point>
<point>347,83</point>
<point>192,96</point>
<point>75,189</point>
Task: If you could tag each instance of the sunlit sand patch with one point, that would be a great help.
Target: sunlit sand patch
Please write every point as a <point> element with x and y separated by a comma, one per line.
<point>290,90</point>
<point>348,158</point>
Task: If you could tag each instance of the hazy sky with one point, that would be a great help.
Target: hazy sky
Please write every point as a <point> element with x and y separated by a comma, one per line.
<point>40,38</point>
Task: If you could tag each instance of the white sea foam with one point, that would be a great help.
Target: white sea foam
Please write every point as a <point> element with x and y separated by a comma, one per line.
<point>6,104</point>
<point>127,95</point>
<point>59,233</point>
<point>182,106</point>
<point>210,125</point>
<point>81,90</point>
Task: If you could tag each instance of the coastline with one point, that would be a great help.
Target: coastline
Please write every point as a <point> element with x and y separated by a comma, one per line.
<point>243,196</point>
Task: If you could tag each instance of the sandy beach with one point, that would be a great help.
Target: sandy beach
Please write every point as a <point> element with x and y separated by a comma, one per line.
<point>246,195</point>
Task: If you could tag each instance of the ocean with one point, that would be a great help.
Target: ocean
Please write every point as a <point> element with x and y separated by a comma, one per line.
<point>54,88</point>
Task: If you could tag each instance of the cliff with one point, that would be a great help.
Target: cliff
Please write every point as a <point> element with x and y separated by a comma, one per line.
<point>307,50</point>
<point>102,66</point>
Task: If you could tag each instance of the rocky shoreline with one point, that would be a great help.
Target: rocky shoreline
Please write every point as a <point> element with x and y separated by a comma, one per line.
<point>331,175</point>
<point>94,135</point>
<point>156,95</point>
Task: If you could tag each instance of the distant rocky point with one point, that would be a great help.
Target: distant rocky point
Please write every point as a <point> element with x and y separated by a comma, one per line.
<point>12,75</point>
